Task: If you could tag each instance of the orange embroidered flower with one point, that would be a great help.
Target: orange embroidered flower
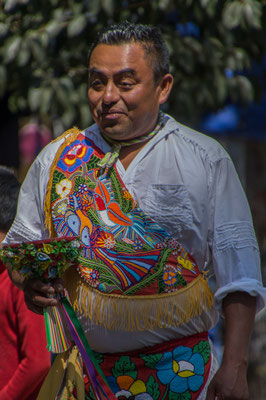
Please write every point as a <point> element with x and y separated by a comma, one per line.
<point>169,278</point>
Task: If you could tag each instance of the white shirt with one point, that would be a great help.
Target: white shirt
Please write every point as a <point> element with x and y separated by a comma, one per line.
<point>187,183</point>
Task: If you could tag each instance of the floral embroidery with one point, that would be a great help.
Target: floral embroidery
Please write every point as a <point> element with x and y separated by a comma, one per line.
<point>82,188</point>
<point>63,188</point>
<point>181,369</point>
<point>75,155</point>
<point>125,383</point>
<point>105,240</point>
<point>61,207</point>
<point>169,275</point>
<point>127,195</point>
<point>93,276</point>
<point>125,387</point>
<point>138,244</point>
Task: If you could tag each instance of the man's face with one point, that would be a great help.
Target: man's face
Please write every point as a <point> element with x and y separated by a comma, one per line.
<point>123,97</point>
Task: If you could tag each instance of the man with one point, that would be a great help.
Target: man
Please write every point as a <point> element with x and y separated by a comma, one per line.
<point>25,360</point>
<point>159,210</point>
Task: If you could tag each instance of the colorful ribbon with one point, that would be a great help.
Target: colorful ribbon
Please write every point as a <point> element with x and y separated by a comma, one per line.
<point>97,379</point>
<point>57,341</point>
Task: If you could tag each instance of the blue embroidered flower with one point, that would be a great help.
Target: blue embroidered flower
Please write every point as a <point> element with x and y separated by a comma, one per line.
<point>83,188</point>
<point>181,369</point>
<point>138,244</point>
<point>75,155</point>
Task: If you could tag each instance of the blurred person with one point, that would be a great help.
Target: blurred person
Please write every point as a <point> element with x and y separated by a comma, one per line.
<point>25,360</point>
<point>159,209</point>
<point>33,137</point>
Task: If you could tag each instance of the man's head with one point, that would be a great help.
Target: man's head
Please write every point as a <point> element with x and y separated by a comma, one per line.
<point>149,37</point>
<point>128,80</point>
<point>9,190</point>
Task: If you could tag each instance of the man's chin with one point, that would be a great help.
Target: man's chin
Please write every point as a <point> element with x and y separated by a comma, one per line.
<point>113,131</point>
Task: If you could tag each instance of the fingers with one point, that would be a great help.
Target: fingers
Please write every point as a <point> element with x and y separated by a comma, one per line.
<point>58,285</point>
<point>38,294</point>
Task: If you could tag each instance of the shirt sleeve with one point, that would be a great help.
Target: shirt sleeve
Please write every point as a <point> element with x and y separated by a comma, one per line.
<point>236,258</point>
<point>29,222</point>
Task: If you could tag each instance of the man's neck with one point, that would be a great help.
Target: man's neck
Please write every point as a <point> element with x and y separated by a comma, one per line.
<point>127,154</point>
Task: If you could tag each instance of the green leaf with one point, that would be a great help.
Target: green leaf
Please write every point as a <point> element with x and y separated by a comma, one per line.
<point>232,14</point>
<point>10,4</point>
<point>76,26</point>
<point>53,28</point>
<point>24,54</point>
<point>37,49</point>
<point>152,388</point>
<point>46,100</point>
<point>253,13</point>
<point>3,29</point>
<point>12,48</point>
<point>203,348</point>
<point>94,6</point>
<point>164,4</point>
<point>108,6</point>
<point>124,367</point>
<point>179,396</point>
<point>245,88</point>
<point>34,98</point>
<point>151,360</point>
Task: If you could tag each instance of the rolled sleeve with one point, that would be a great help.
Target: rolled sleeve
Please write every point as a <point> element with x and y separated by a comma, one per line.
<point>236,258</point>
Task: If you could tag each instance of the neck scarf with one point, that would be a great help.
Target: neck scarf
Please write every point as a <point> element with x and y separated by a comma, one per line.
<point>112,156</point>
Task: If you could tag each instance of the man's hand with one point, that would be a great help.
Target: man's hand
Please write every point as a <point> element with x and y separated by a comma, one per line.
<point>230,381</point>
<point>39,295</point>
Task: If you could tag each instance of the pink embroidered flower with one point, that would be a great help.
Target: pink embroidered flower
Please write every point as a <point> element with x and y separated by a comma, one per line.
<point>105,240</point>
<point>109,243</point>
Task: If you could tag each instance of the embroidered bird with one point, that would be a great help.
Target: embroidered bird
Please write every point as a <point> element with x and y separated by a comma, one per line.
<point>109,211</point>
<point>78,222</point>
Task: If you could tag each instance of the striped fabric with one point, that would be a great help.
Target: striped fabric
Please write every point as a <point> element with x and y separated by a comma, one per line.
<point>57,341</point>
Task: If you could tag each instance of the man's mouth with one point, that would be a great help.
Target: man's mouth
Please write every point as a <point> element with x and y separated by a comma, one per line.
<point>113,114</point>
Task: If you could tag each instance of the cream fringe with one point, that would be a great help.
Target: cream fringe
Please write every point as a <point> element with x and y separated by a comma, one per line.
<point>69,137</point>
<point>139,312</point>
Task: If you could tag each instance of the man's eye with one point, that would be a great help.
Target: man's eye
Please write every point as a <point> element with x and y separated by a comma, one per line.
<point>126,84</point>
<point>96,84</point>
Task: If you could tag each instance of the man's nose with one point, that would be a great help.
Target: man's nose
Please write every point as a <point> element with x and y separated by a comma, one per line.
<point>111,93</point>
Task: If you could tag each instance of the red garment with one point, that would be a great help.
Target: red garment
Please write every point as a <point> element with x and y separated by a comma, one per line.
<point>24,359</point>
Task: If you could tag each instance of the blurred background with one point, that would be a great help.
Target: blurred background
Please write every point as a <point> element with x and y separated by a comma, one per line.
<point>218,59</point>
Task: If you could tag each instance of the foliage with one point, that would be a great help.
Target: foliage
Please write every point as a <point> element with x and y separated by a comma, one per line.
<point>44,46</point>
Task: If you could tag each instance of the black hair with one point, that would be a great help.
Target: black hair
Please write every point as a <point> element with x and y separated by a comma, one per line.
<point>9,190</point>
<point>149,37</point>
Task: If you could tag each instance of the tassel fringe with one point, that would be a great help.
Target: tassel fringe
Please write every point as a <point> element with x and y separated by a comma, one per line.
<point>117,312</point>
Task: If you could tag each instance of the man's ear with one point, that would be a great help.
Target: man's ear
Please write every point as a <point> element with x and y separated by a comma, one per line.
<point>166,85</point>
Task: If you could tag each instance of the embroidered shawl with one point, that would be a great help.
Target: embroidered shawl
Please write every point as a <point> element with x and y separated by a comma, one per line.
<point>131,274</point>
